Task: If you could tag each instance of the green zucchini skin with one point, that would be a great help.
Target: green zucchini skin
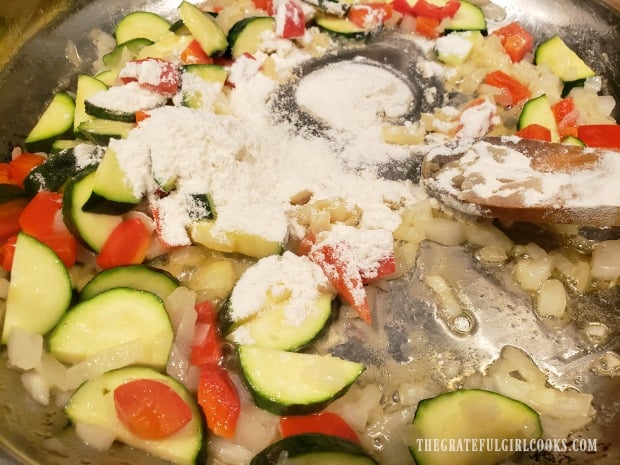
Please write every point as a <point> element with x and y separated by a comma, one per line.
<point>92,404</point>
<point>468,17</point>
<point>140,25</point>
<point>56,121</point>
<point>100,131</point>
<point>142,277</point>
<point>279,383</point>
<point>313,448</point>
<point>470,414</point>
<point>244,35</point>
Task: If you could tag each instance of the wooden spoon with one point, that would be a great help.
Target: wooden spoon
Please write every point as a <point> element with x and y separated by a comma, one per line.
<point>525,180</point>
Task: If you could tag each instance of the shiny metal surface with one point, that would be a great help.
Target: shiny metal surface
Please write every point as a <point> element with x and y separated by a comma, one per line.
<point>34,36</point>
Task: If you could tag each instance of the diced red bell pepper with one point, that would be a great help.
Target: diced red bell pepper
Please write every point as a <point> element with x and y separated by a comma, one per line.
<point>290,19</point>
<point>6,176</point>
<point>42,219</point>
<point>142,115</point>
<point>385,267</point>
<point>193,54</point>
<point>535,132</point>
<point>207,350</point>
<point>154,74</point>
<point>600,135</point>
<point>219,399</point>
<point>10,212</point>
<point>344,275</point>
<point>427,27</point>
<point>23,164</point>
<point>126,245</point>
<point>329,423</point>
<point>517,42</point>
<point>370,15</point>
<point>7,252</point>
<point>151,409</point>
<point>430,10</point>
<point>566,117</point>
<point>265,5</point>
<point>515,92</point>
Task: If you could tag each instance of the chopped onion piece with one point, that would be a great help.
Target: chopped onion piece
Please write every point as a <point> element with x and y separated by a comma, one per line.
<point>95,436</point>
<point>36,386</point>
<point>24,348</point>
<point>551,299</point>
<point>606,260</point>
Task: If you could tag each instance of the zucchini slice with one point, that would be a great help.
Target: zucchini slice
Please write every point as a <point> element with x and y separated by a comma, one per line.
<point>56,121</point>
<point>140,25</point>
<point>39,281</point>
<point>562,61</point>
<point>470,414</point>
<point>120,103</point>
<point>204,29</point>
<point>110,319</point>
<point>332,7</point>
<point>159,282</point>
<point>100,131</point>
<point>52,174</point>
<point>126,50</point>
<point>168,47</point>
<point>293,383</point>
<point>86,87</point>
<point>342,27</point>
<point>468,17</point>
<point>246,35</point>
<point>269,308</point>
<point>252,245</point>
<point>214,76</point>
<point>91,228</point>
<point>112,191</point>
<point>538,111</point>
<point>93,404</point>
<point>314,449</point>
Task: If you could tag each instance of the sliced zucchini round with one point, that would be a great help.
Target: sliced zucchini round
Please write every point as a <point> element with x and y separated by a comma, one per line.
<point>470,414</point>
<point>538,111</point>
<point>341,27</point>
<point>203,28</point>
<point>246,35</point>
<point>293,383</point>
<point>561,60</point>
<point>140,25</point>
<point>468,17</point>
<point>159,282</point>
<point>86,87</point>
<point>56,120</point>
<point>110,319</point>
<point>93,404</point>
<point>278,303</point>
<point>40,289</point>
<point>314,449</point>
<point>91,228</point>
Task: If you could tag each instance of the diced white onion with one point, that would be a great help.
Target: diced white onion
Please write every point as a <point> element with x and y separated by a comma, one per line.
<point>95,436</point>
<point>449,306</point>
<point>54,372</point>
<point>224,451</point>
<point>606,260</point>
<point>181,308</point>
<point>24,348</point>
<point>551,299</point>
<point>36,386</point>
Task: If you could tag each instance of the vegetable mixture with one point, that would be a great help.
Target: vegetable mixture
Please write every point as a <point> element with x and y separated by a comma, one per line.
<point>139,300</point>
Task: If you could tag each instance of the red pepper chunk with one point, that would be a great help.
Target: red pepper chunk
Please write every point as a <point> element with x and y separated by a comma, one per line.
<point>7,252</point>
<point>329,423</point>
<point>220,402</point>
<point>290,19</point>
<point>10,212</point>
<point>535,132</point>
<point>427,27</point>
<point>126,245</point>
<point>42,219</point>
<point>370,15</point>
<point>600,135</point>
<point>566,117</point>
<point>193,54</point>
<point>517,42</point>
<point>515,92</point>
<point>344,274</point>
<point>265,5</point>
<point>151,409</point>
<point>153,74</point>
<point>207,348</point>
